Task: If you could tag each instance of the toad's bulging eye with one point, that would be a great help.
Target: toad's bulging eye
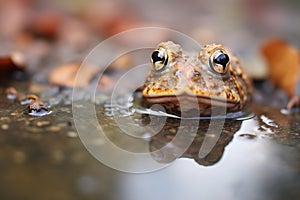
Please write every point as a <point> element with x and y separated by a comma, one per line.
<point>159,59</point>
<point>219,62</point>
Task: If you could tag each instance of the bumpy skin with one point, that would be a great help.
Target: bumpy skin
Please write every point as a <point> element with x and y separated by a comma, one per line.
<point>188,80</point>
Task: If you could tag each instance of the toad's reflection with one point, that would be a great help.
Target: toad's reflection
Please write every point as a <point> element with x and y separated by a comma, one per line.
<point>165,149</point>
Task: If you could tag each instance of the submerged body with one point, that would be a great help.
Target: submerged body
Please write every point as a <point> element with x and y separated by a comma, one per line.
<point>207,80</point>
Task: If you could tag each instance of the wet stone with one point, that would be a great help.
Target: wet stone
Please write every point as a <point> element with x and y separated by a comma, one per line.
<point>28,99</point>
<point>173,130</point>
<point>42,123</point>
<point>14,114</point>
<point>72,134</point>
<point>37,109</point>
<point>5,119</point>
<point>54,128</point>
<point>11,93</point>
<point>4,126</point>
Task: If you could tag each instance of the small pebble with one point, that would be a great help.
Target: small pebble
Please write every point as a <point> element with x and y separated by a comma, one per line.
<point>37,108</point>
<point>4,126</point>
<point>28,99</point>
<point>43,123</point>
<point>54,128</point>
<point>14,114</point>
<point>11,93</point>
<point>5,119</point>
<point>72,134</point>
<point>173,130</point>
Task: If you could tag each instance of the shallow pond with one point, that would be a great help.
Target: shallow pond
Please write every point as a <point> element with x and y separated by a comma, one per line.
<point>43,157</point>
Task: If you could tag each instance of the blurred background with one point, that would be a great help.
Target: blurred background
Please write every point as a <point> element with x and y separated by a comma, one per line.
<point>60,31</point>
<point>46,160</point>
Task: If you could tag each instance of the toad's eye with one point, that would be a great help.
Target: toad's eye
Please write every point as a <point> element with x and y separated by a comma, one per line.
<point>159,59</point>
<point>219,62</point>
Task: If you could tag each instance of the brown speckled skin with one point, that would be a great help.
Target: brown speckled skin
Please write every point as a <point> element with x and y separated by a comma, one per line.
<point>188,78</point>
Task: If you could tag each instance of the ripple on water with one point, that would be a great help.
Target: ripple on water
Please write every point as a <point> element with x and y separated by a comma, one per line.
<point>125,107</point>
<point>129,109</point>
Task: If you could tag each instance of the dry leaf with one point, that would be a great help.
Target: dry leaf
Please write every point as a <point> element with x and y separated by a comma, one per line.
<point>283,62</point>
<point>66,74</point>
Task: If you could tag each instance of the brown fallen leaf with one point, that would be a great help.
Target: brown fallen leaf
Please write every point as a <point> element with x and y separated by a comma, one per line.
<point>282,59</point>
<point>13,66</point>
<point>66,74</point>
<point>13,62</point>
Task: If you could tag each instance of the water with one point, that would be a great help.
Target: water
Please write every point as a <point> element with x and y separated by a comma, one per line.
<point>241,168</point>
<point>248,170</point>
<point>263,166</point>
<point>254,158</point>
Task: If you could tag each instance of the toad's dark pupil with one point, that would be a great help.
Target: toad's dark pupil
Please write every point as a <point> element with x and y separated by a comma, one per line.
<point>157,56</point>
<point>222,59</point>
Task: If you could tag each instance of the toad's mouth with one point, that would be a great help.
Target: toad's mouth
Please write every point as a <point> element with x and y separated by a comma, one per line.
<point>185,98</point>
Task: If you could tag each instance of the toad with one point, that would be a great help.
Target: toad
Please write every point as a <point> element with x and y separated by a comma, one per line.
<point>211,78</point>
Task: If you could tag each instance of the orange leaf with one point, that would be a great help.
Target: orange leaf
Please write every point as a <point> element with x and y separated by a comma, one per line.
<point>283,63</point>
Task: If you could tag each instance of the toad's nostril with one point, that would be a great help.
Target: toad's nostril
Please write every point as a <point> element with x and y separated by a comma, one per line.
<point>197,74</point>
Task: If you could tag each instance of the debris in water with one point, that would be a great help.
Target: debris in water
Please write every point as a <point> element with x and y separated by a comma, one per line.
<point>11,93</point>
<point>27,99</point>
<point>12,64</point>
<point>37,108</point>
